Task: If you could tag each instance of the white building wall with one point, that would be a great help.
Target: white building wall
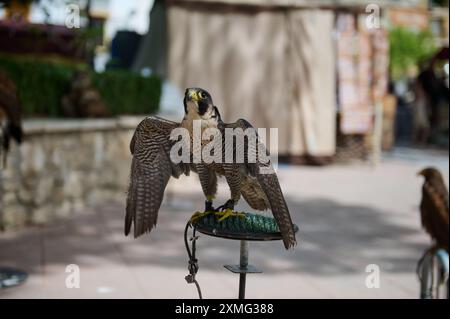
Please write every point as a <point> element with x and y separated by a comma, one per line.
<point>128,15</point>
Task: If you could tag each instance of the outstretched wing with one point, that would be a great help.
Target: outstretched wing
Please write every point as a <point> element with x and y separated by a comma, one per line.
<point>151,169</point>
<point>262,189</point>
<point>435,211</point>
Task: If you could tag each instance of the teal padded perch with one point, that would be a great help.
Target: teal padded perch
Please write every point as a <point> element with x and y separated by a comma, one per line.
<point>249,227</point>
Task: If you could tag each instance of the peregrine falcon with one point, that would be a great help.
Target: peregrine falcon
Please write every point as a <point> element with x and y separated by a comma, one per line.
<point>153,165</point>
<point>434,207</point>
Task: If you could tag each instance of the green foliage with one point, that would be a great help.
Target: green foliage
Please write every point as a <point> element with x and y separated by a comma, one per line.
<point>408,49</point>
<point>128,93</point>
<point>42,84</point>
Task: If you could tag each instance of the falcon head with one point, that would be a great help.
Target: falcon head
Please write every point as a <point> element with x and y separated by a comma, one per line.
<point>430,173</point>
<point>199,105</point>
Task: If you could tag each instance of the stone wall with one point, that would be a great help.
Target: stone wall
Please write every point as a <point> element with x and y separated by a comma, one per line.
<point>64,165</point>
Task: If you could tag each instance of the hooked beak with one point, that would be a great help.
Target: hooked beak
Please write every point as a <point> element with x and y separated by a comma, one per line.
<point>192,95</point>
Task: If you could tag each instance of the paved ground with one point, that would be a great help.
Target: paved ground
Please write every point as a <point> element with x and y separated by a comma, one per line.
<point>350,216</point>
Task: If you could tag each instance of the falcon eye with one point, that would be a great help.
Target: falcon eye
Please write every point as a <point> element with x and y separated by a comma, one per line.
<point>202,95</point>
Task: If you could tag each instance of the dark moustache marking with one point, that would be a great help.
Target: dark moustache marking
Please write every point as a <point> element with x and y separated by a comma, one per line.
<point>202,107</point>
<point>185,104</point>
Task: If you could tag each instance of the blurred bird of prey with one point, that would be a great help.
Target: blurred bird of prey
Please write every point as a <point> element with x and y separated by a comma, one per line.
<point>10,114</point>
<point>434,207</point>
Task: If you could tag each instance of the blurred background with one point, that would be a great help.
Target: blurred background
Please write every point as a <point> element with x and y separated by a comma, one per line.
<point>357,89</point>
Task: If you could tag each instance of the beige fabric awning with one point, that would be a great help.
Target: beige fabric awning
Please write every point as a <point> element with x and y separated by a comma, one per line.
<point>273,68</point>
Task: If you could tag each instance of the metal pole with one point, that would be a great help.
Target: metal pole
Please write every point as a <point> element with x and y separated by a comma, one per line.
<point>243,268</point>
<point>448,289</point>
<point>427,280</point>
<point>377,136</point>
<point>243,263</point>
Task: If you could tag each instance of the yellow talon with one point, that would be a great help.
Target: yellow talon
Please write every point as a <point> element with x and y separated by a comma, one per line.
<point>198,215</point>
<point>229,213</point>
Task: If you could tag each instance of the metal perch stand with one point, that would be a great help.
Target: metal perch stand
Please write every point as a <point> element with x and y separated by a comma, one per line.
<point>243,268</point>
<point>433,272</point>
<point>249,227</point>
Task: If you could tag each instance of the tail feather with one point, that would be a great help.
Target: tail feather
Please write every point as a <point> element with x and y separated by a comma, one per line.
<point>280,211</point>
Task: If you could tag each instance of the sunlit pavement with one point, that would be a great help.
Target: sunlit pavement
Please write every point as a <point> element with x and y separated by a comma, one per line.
<point>350,216</point>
